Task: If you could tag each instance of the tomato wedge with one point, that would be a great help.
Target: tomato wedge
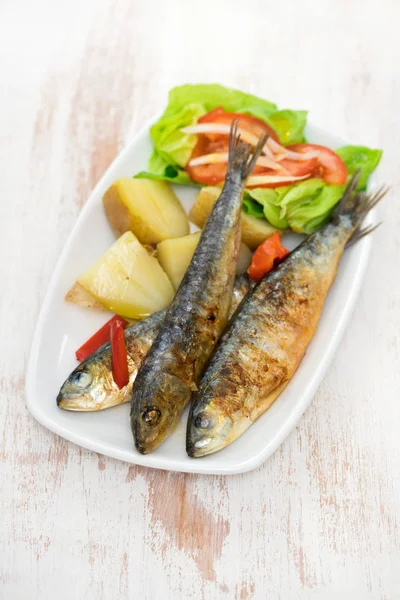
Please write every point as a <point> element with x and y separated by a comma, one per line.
<point>326,164</point>
<point>268,254</point>
<point>297,168</point>
<point>329,167</point>
<point>212,173</point>
<point>209,143</point>
<point>246,122</point>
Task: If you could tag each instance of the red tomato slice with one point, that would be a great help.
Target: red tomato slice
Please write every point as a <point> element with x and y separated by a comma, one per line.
<point>246,122</point>
<point>297,168</point>
<point>268,254</point>
<point>207,174</point>
<point>329,167</point>
<point>216,142</point>
<point>215,172</point>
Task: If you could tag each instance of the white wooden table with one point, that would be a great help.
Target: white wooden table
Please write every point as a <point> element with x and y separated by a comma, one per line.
<point>320,519</point>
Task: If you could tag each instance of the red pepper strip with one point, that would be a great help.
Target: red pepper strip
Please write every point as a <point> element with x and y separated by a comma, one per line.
<point>119,355</point>
<point>98,339</point>
<point>269,253</point>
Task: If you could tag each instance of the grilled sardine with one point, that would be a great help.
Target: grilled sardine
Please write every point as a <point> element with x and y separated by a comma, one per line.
<point>270,331</point>
<point>198,314</point>
<point>91,385</point>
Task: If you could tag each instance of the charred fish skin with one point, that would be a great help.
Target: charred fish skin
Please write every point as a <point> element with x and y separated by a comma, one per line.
<point>198,314</point>
<point>269,334</point>
<point>91,386</point>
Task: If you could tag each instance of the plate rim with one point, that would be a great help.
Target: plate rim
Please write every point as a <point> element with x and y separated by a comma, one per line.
<point>158,461</point>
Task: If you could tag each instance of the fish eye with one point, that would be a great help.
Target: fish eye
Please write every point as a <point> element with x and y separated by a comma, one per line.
<point>81,379</point>
<point>203,421</point>
<point>152,416</point>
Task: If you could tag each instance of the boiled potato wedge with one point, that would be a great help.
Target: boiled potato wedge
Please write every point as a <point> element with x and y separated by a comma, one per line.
<point>254,230</point>
<point>244,259</point>
<point>174,256</point>
<point>148,208</point>
<point>127,280</point>
<point>81,297</point>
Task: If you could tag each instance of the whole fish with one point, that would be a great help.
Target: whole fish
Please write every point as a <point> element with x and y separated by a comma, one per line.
<point>198,314</point>
<point>270,331</point>
<point>91,385</point>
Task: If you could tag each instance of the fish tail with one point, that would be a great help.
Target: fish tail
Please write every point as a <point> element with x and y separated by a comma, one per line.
<point>357,205</point>
<point>240,158</point>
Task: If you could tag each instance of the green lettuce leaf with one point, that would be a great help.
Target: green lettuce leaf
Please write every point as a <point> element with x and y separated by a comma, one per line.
<point>308,215</point>
<point>360,157</point>
<point>298,194</point>
<point>169,141</point>
<point>289,125</point>
<point>160,169</point>
<point>303,206</point>
<point>187,103</point>
<point>268,198</point>
<point>307,205</point>
<point>211,95</point>
<point>253,208</point>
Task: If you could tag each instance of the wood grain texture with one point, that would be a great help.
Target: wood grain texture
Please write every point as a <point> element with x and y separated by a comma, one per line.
<point>320,519</point>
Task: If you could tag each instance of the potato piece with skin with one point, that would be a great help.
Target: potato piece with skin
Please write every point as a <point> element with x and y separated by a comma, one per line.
<point>81,297</point>
<point>128,281</point>
<point>148,208</point>
<point>254,230</point>
<point>174,256</point>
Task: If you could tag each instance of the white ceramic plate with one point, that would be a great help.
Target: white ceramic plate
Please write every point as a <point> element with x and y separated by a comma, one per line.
<point>63,327</point>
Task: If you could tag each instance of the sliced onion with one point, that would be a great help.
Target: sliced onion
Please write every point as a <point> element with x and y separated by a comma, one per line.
<point>282,152</point>
<point>264,179</point>
<point>222,157</point>
<point>299,155</point>
<point>225,129</point>
<point>220,128</point>
<point>209,159</point>
<point>272,149</point>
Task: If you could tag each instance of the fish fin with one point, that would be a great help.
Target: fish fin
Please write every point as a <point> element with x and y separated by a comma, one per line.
<point>360,233</point>
<point>357,205</point>
<point>239,152</point>
<point>257,151</point>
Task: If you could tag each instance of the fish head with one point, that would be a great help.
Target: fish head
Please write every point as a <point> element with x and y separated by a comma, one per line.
<point>90,387</point>
<point>156,410</point>
<point>209,429</point>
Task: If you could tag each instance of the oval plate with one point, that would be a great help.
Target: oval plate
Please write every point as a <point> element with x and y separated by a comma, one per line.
<point>63,327</point>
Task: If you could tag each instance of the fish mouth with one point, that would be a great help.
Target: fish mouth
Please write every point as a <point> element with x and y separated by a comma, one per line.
<point>198,448</point>
<point>148,434</point>
<point>146,441</point>
<point>78,402</point>
<point>155,414</point>
<point>197,440</point>
<point>208,431</point>
<point>204,445</point>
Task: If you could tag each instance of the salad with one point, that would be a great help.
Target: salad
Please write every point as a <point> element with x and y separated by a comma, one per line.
<point>295,185</point>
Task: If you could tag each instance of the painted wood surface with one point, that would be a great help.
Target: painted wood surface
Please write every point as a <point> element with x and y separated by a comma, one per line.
<point>320,519</point>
